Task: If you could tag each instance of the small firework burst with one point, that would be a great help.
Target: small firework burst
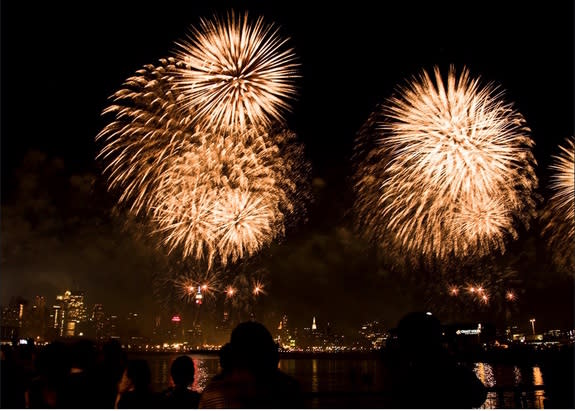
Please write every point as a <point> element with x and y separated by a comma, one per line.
<point>194,286</point>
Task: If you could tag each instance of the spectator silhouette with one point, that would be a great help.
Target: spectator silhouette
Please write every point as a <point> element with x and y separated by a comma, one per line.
<point>110,366</point>
<point>12,379</point>
<point>423,375</point>
<point>134,387</point>
<point>559,377</point>
<point>78,389</point>
<point>47,388</point>
<point>181,395</point>
<point>250,377</point>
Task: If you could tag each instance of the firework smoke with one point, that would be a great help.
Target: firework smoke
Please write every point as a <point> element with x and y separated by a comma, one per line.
<point>449,172</point>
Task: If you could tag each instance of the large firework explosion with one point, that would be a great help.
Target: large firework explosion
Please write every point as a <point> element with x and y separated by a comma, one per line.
<point>217,188</point>
<point>559,215</point>
<point>450,173</point>
<point>238,71</point>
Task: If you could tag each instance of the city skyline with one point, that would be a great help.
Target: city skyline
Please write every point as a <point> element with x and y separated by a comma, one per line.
<point>72,318</point>
<point>61,228</point>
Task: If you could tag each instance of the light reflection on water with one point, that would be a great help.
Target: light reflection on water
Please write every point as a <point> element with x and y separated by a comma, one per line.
<point>517,375</point>
<point>324,375</point>
<point>484,372</point>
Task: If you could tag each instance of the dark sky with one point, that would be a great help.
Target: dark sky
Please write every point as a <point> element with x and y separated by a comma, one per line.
<point>61,60</point>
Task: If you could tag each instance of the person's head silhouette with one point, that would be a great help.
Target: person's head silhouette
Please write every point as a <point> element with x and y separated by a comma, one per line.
<point>183,371</point>
<point>419,332</point>
<point>252,347</point>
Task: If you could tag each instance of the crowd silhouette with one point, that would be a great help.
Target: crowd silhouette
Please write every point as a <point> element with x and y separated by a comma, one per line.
<point>419,373</point>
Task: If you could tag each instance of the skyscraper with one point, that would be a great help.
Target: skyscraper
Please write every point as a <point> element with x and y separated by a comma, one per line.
<point>69,313</point>
<point>98,319</point>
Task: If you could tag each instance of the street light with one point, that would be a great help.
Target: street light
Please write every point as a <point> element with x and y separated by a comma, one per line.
<point>532,321</point>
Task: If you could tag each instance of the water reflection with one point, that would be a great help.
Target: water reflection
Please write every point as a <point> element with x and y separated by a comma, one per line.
<point>539,394</point>
<point>484,372</point>
<point>537,376</point>
<point>204,371</point>
<point>205,368</point>
<point>517,376</point>
<point>339,376</point>
<point>314,376</point>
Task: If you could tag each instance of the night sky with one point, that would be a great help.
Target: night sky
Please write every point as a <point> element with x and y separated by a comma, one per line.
<point>62,60</point>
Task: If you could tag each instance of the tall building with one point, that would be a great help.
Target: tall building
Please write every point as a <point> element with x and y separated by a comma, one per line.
<point>373,334</point>
<point>285,338</point>
<point>77,312</point>
<point>13,318</point>
<point>132,331</point>
<point>57,318</point>
<point>111,327</point>
<point>37,318</point>
<point>98,320</point>
<point>69,314</point>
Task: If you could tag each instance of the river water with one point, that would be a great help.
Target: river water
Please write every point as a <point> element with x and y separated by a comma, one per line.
<point>356,382</point>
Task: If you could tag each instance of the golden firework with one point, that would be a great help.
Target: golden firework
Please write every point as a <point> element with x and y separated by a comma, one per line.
<point>238,72</point>
<point>224,198</point>
<point>559,215</point>
<point>220,194</point>
<point>450,172</point>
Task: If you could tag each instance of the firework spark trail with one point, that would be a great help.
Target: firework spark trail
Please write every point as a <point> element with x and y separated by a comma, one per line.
<point>559,216</point>
<point>452,171</point>
<point>147,132</point>
<point>237,72</point>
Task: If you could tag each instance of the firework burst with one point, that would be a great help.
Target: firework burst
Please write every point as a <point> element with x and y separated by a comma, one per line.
<point>238,71</point>
<point>490,287</point>
<point>450,173</point>
<point>218,194</point>
<point>559,216</point>
<point>227,197</point>
<point>187,286</point>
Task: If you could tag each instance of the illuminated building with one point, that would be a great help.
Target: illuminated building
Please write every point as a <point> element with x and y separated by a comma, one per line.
<point>36,321</point>
<point>373,334</point>
<point>13,318</point>
<point>74,313</point>
<point>98,319</point>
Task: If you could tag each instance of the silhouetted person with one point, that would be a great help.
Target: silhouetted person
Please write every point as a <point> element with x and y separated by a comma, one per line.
<point>12,378</point>
<point>110,366</point>
<point>559,378</point>
<point>52,365</point>
<point>423,375</point>
<point>79,387</point>
<point>134,387</point>
<point>181,395</point>
<point>250,376</point>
